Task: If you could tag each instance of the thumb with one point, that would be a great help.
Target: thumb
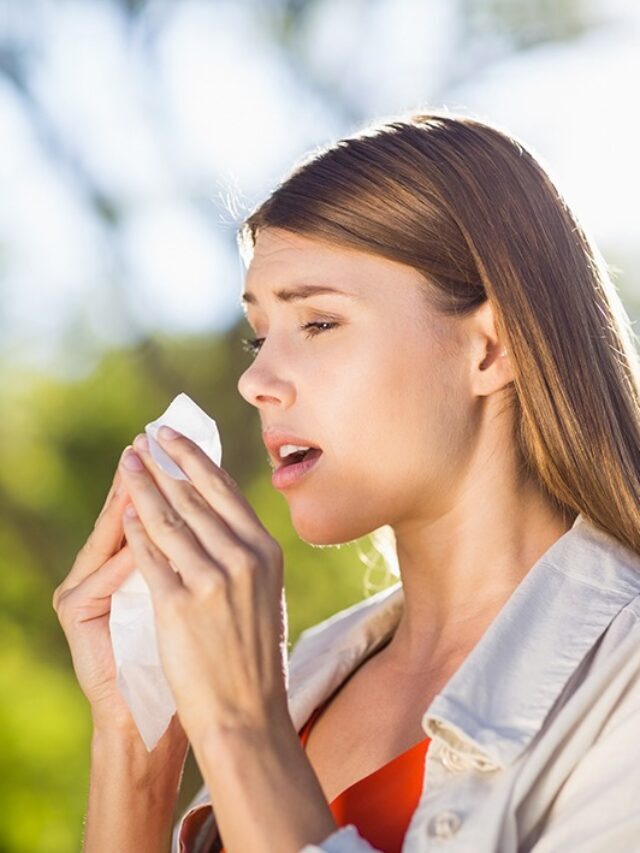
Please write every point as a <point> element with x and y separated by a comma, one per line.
<point>91,598</point>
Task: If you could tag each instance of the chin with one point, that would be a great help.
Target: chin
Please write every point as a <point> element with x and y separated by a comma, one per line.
<point>328,528</point>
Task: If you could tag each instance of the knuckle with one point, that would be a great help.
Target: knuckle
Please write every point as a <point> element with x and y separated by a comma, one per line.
<point>148,551</point>
<point>248,559</point>
<point>63,606</point>
<point>232,486</point>
<point>172,604</point>
<point>90,546</point>
<point>224,482</point>
<point>60,593</point>
<point>242,561</point>
<point>239,556</point>
<point>212,584</point>
<point>272,553</point>
<point>190,502</point>
<point>168,522</point>
<point>227,479</point>
<point>92,552</point>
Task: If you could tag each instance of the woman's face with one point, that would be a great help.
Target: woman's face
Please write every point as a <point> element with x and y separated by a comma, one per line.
<point>384,393</point>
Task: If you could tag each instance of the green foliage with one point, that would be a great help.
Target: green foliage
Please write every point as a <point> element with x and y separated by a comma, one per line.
<point>44,744</point>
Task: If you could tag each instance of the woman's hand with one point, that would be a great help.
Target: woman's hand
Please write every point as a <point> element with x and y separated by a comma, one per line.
<point>83,602</point>
<point>216,581</point>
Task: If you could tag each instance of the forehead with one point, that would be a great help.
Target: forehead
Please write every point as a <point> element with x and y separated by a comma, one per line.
<point>283,258</point>
<point>286,254</point>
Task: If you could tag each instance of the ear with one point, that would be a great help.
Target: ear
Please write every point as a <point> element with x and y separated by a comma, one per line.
<point>491,365</point>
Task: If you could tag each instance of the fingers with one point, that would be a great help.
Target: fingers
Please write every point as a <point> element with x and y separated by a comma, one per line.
<point>90,598</point>
<point>163,511</point>
<point>153,564</point>
<point>104,541</point>
<point>169,536</point>
<point>213,483</point>
<point>116,485</point>
<point>109,577</point>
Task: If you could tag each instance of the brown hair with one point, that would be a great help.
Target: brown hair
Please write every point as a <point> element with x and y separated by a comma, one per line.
<point>472,210</point>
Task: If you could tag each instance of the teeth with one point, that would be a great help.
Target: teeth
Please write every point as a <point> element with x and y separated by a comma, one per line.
<point>288,449</point>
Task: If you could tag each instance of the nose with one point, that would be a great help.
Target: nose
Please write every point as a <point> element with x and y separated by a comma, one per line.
<point>260,387</point>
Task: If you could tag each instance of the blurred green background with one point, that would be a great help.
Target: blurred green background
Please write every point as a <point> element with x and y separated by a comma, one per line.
<point>135,135</point>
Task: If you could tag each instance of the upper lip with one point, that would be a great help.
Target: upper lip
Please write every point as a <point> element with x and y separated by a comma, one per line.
<point>274,438</point>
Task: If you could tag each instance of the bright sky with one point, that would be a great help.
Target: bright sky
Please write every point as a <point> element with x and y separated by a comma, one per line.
<point>187,120</point>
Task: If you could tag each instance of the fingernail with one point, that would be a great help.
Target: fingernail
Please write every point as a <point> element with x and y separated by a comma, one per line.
<point>132,461</point>
<point>167,433</point>
<point>141,442</point>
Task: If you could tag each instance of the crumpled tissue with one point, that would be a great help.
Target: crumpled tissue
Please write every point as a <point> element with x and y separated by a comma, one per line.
<point>139,673</point>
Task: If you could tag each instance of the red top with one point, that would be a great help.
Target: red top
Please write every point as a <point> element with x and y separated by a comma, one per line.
<point>381,804</point>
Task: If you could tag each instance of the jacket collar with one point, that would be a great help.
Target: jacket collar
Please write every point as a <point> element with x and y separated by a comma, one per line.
<point>494,704</point>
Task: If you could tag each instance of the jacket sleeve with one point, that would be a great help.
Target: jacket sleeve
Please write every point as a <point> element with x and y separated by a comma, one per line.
<point>597,810</point>
<point>346,839</point>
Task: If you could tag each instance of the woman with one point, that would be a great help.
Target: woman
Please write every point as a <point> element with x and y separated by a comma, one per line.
<point>434,324</point>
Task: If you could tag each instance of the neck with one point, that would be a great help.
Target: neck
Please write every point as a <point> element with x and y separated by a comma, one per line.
<point>458,571</point>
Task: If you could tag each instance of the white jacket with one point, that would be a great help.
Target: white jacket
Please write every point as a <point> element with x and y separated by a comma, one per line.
<point>535,739</point>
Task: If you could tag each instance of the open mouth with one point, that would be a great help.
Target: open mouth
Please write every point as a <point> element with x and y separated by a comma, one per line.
<point>300,456</point>
<point>295,467</point>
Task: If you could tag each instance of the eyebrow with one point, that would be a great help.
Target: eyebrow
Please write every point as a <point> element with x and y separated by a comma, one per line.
<point>296,294</point>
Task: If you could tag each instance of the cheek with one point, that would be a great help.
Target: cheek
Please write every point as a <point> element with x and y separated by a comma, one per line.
<point>374,403</point>
<point>390,411</point>
<point>412,416</point>
<point>409,390</point>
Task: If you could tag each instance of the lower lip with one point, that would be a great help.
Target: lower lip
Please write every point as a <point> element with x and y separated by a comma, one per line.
<point>287,475</point>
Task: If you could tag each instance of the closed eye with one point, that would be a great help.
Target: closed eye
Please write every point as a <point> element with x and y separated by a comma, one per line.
<point>253,345</point>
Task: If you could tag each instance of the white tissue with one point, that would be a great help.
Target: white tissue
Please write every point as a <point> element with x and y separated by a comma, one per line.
<point>139,674</point>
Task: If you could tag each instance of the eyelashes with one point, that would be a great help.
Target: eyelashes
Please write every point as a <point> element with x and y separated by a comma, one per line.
<point>253,345</point>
